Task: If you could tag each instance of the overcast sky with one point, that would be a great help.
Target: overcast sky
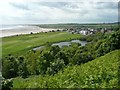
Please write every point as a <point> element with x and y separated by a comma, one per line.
<point>36,11</point>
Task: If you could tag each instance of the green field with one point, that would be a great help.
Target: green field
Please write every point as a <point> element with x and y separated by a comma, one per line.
<point>22,43</point>
<point>77,25</point>
<point>99,73</point>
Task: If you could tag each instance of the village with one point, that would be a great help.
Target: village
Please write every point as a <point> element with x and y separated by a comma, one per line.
<point>88,31</point>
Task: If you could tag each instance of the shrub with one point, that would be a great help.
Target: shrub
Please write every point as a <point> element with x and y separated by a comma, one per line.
<point>7,84</point>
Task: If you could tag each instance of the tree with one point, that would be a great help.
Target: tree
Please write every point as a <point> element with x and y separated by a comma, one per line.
<point>111,43</point>
<point>9,67</point>
<point>62,56</point>
<point>45,60</point>
<point>22,69</point>
<point>114,40</point>
<point>54,50</point>
<point>7,84</point>
<point>55,66</point>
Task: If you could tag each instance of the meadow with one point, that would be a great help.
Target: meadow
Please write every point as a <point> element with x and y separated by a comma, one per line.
<point>22,43</point>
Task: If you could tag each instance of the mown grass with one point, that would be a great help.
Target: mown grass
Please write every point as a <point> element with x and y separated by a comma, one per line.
<point>22,43</point>
<point>99,73</point>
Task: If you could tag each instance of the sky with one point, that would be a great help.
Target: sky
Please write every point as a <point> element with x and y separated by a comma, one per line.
<point>58,11</point>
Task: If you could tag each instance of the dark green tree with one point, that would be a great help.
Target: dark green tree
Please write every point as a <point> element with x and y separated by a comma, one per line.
<point>7,84</point>
<point>62,56</point>
<point>22,68</point>
<point>9,67</point>
<point>55,66</point>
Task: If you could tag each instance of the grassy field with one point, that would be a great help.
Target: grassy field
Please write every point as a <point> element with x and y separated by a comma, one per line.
<point>99,73</point>
<point>77,25</point>
<point>22,43</point>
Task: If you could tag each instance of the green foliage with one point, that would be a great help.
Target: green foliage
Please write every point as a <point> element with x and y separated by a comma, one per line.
<point>99,73</point>
<point>114,40</point>
<point>10,67</point>
<point>94,38</point>
<point>55,66</point>
<point>7,84</point>
<point>80,58</point>
<point>62,56</point>
<point>52,60</point>
<point>54,50</point>
<point>22,69</point>
<point>109,44</point>
<point>13,67</point>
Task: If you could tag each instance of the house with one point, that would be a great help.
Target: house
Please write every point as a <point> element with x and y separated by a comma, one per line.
<point>87,31</point>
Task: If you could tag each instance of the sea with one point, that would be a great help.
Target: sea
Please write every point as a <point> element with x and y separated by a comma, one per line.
<point>16,29</point>
<point>11,26</point>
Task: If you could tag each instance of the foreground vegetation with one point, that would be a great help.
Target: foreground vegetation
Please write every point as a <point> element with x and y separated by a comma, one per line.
<point>99,73</point>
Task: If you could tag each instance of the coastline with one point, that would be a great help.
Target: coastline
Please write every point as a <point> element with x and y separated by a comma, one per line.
<point>24,30</point>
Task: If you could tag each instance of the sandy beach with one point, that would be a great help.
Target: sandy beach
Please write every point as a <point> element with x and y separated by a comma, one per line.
<point>24,30</point>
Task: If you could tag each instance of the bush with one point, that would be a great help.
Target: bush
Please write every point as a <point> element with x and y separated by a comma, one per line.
<point>55,67</point>
<point>9,67</point>
<point>7,84</point>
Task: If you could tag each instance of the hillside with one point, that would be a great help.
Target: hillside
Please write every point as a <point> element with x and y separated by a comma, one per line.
<point>99,73</point>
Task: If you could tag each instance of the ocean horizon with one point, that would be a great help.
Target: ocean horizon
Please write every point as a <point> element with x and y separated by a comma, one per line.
<point>11,26</point>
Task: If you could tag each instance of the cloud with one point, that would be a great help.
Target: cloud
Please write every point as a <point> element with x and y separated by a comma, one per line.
<point>57,12</point>
<point>107,5</point>
<point>19,6</point>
